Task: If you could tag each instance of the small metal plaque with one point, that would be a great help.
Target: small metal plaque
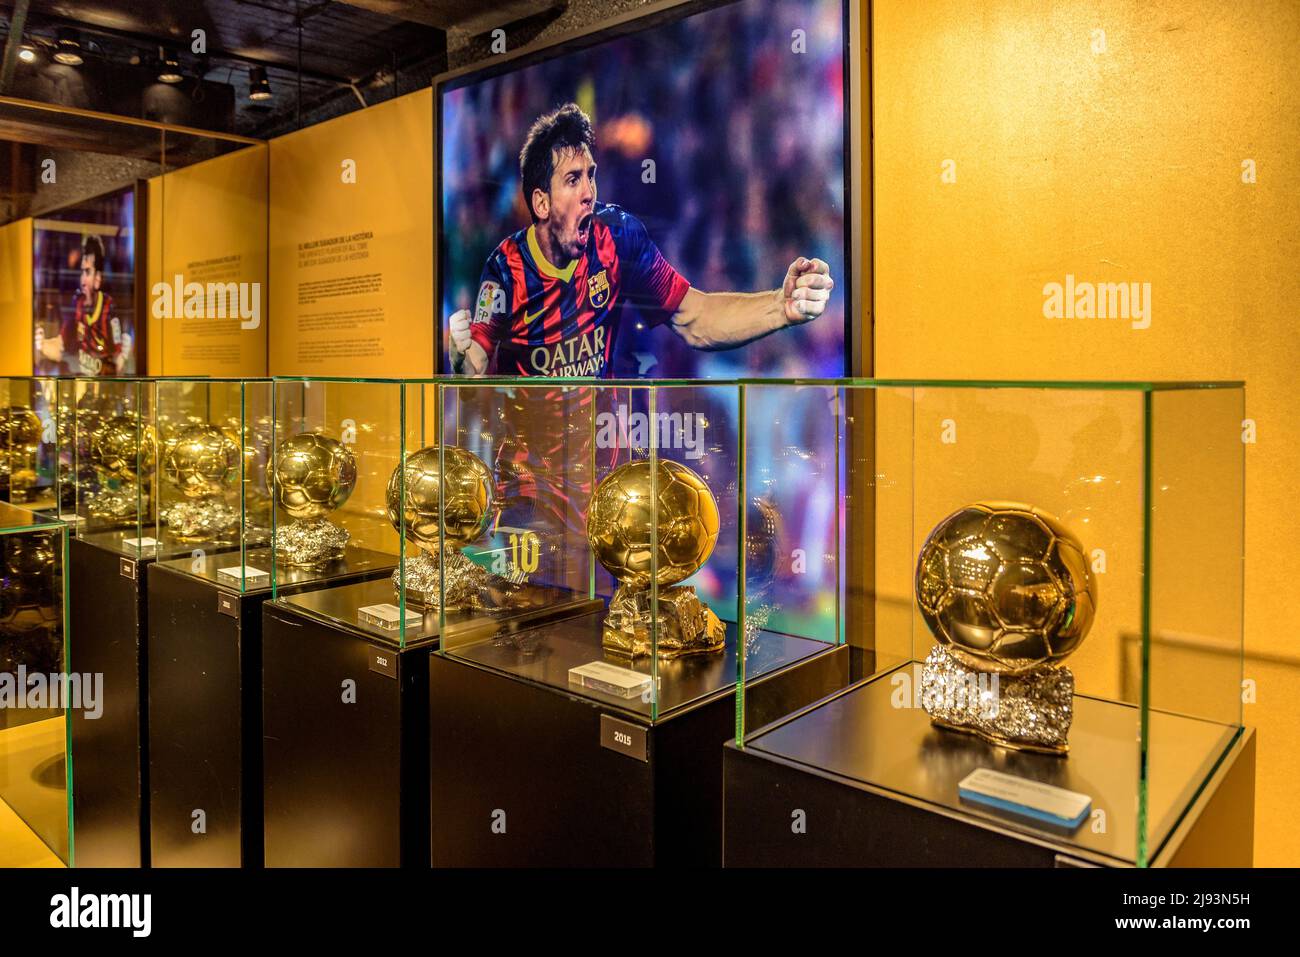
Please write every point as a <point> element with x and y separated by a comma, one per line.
<point>126,566</point>
<point>383,662</point>
<point>624,737</point>
<point>227,605</point>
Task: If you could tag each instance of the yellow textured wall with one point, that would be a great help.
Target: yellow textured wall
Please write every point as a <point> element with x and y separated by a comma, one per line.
<point>207,223</point>
<point>382,225</point>
<point>16,298</point>
<point>1017,143</point>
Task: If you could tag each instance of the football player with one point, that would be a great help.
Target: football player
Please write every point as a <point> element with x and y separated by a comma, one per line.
<point>551,295</point>
<point>92,337</point>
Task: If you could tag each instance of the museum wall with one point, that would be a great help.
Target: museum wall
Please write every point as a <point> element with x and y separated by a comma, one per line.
<point>1016,145</point>
<point>207,223</point>
<point>16,297</point>
<point>351,255</point>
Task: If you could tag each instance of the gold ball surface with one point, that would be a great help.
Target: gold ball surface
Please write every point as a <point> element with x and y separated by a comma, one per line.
<point>20,428</point>
<point>123,447</point>
<point>1005,587</point>
<point>466,495</point>
<point>625,523</point>
<point>201,460</point>
<point>314,474</point>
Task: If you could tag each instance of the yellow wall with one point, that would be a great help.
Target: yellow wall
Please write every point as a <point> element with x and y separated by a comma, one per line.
<point>352,262</point>
<point>1106,140</point>
<point>207,223</point>
<point>16,298</point>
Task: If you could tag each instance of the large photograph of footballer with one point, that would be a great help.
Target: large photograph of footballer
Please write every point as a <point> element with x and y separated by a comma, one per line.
<point>667,203</point>
<point>535,317</point>
<point>83,259</point>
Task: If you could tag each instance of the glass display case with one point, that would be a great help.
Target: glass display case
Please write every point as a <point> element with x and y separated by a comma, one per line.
<point>35,773</point>
<point>590,538</point>
<point>115,459</point>
<point>337,444</point>
<point>30,428</point>
<point>214,503</point>
<point>1052,609</point>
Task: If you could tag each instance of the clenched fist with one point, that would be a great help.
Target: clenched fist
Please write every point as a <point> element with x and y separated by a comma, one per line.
<point>806,290</point>
<point>466,355</point>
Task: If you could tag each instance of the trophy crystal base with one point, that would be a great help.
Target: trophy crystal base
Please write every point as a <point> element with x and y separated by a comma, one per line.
<point>201,520</point>
<point>465,585</point>
<point>687,626</point>
<point>310,542</point>
<point>1026,712</point>
<point>115,504</point>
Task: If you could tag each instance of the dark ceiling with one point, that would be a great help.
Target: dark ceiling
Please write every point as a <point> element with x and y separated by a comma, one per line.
<point>322,58</point>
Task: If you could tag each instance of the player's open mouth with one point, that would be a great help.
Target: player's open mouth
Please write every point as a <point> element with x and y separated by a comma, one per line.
<point>584,228</point>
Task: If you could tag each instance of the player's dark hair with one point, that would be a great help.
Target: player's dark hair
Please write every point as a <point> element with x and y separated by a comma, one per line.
<point>564,128</point>
<point>93,247</point>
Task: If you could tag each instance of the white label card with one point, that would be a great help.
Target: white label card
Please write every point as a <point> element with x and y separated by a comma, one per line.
<point>611,679</point>
<point>1033,799</point>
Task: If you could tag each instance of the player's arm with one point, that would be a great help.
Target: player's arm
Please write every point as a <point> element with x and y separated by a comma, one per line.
<point>724,320</point>
<point>467,356</point>
<point>51,348</point>
<point>473,336</point>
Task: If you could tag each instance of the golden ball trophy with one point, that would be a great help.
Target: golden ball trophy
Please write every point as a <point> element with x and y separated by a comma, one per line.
<point>441,492</point>
<point>122,450</point>
<point>665,534</point>
<point>201,462</point>
<point>20,437</point>
<point>313,475</point>
<point>1006,591</point>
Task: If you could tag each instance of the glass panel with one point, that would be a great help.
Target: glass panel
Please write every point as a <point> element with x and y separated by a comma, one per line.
<point>1056,592</point>
<point>116,453</point>
<point>213,503</point>
<point>337,445</point>
<point>28,443</point>
<point>608,564</point>
<point>35,773</point>
<point>1190,663</point>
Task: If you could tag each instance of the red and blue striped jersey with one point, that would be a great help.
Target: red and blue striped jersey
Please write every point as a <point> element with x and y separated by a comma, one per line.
<point>535,319</point>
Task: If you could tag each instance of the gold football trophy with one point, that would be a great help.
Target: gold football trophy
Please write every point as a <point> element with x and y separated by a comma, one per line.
<point>20,437</point>
<point>1006,591</point>
<point>122,450</point>
<point>200,461</point>
<point>447,490</point>
<point>313,475</point>
<point>664,533</point>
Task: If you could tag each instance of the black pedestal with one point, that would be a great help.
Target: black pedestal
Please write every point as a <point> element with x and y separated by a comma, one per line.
<point>205,707</point>
<point>858,781</point>
<point>108,622</point>
<point>527,773</point>
<point>346,738</point>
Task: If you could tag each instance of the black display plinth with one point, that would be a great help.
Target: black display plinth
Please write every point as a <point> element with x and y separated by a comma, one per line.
<point>859,781</point>
<point>345,737</point>
<point>205,704</point>
<point>108,626</point>
<point>525,772</point>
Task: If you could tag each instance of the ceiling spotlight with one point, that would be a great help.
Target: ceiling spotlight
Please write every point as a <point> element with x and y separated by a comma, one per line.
<point>259,87</point>
<point>169,66</point>
<point>69,48</point>
<point>27,53</point>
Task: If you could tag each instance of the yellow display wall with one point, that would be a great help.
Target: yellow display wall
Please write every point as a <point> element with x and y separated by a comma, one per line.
<point>351,224</point>
<point>16,298</point>
<point>1019,144</point>
<point>207,224</point>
